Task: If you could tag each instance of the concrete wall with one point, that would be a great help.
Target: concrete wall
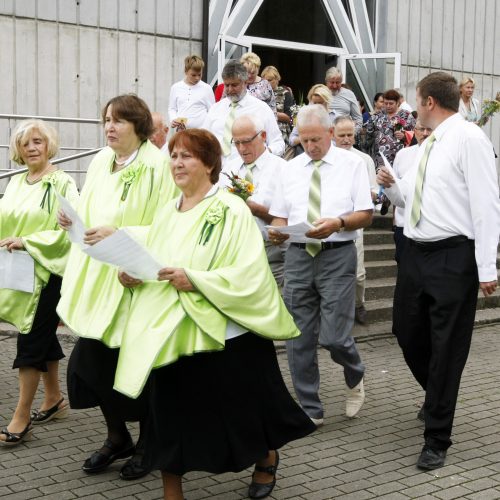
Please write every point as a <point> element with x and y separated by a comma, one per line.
<point>68,57</point>
<point>458,36</point>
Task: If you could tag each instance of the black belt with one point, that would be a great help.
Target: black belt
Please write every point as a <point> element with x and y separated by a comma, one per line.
<point>326,245</point>
<point>445,243</point>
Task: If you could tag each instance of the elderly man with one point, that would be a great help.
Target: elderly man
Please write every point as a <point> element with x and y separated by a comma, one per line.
<point>329,188</point>
<point>452,220</point>
<point>256,164</point>
<point>238,102</point>
<point>404,160</point>
<point>344,102</point>
<point>343,135</point>
<point>159,135</point>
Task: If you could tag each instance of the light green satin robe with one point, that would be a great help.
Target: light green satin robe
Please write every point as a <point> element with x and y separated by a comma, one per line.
<point>228,266</point>
<point>93,303</point>
<point>30,212</point>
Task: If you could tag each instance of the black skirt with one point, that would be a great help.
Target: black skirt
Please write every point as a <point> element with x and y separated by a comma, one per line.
<point>40,345</point>
<point>90,378</point>
<point>221,411</point>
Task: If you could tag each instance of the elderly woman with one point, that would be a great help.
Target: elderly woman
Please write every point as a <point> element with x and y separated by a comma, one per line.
<point>469,107</point>
<point>126,183</point>
<point>28,222</point>
<point>318,94</point>
<point>257,86</point>
<point>284,100</point>
<point>218,402</point>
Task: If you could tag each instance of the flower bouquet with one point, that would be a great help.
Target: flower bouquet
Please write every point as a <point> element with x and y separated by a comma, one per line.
<point>490,107</point>
<point>398,123</point>
<point>240,187</point>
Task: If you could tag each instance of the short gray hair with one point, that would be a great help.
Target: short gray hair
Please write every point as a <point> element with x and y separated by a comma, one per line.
<point>25,130</point>
<point>343,118</point>
<point>333,72</point>
<point>234,69</point>
<point>312,112</point>
<point>255,120</point>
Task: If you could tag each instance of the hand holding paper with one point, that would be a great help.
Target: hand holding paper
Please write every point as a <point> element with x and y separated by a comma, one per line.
<point>76,231</point>
<point>296,232</point>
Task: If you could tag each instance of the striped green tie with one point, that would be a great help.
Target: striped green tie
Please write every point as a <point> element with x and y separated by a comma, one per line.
<point>249,174</point>
<point>419,182</point>
<point>314,210</point>
<point>226,140</point>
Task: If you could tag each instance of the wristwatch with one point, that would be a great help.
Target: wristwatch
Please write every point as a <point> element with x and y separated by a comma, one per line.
<point>342,224</point>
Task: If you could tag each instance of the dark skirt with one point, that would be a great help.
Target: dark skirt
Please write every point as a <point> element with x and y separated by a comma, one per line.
<point>91,374</point>
<point>221,411</point>
<point>40,345</point>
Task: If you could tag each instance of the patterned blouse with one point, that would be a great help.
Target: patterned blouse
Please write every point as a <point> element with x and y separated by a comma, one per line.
<point>380,131</point>
<point>262,90</point>
<point>284,102</point>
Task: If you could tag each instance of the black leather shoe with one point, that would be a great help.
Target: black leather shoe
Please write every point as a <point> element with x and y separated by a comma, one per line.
<point>430,458</point>
<point>421,414</point>
<point>133,469</point>
<point>259,490</point>
<point>99,461</point>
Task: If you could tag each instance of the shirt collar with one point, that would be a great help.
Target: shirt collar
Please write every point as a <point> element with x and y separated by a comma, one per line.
<point>445,125</point>
<point>210,192</point>
<point>259,162</point>
<point>328,158</point>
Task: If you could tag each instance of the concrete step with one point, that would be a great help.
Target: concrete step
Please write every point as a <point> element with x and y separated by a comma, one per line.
<point>379,252</point>
<point>380,288</point>
<point>377,237</point>
<point>382,221</point>
<point>380,269</point>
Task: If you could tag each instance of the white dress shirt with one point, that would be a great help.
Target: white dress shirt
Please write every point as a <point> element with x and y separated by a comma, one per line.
<point>460,193</point>
<point>265,174</point>
<point>405,158</point>
<point>370,168</point>
<point>191,102</point>
<point>248,105</point>
<point>344,189</point>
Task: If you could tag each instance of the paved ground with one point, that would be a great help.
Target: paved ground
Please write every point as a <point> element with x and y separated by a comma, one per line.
<point>369,457</point>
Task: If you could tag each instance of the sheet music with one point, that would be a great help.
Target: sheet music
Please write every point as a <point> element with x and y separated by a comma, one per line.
<point>297,232</point>
<point>77,230</point>
<point>122,251</point>
<point>17,270</point>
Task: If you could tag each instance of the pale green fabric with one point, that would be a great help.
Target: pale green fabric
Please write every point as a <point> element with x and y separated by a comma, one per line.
<point>30,212</point>
<point>228,125</point>
<point>227,264</point>
<point>314,208</point>
<point>93,303</point>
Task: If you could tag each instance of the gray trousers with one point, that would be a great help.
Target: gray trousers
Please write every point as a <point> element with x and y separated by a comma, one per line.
<point>320,294</point>
<point>276,259</point>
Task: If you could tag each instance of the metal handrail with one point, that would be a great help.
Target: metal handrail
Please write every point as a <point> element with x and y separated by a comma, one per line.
<point>50,118</point>
<point>55,162</point>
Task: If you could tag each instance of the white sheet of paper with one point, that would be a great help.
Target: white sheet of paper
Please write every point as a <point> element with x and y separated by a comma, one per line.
<point>396,186</point>
<point>297,232</point>
<point>77,230</point>
<point>17,270</point>
<point>122,251</point>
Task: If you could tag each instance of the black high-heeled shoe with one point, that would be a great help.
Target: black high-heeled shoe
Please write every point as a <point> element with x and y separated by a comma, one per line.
<point>262,490</point>
<point>15,438</point>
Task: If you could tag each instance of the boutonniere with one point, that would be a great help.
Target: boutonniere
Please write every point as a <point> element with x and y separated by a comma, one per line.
<point>212,217</point>
<point>240,187</point>
<point>128,176</point>
<point>48,181</point>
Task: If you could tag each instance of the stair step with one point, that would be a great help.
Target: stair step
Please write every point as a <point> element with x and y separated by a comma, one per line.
<point>380,269</point>
<point>380,288</point>
<point>379,252</point>
<point>382,221</point>
<point>377,237</point>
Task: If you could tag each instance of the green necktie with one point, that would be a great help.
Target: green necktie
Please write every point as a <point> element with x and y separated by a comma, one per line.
<point>226,140</point>
<point>249,174</point>
<point>419,182</point>
<point>314,210</point>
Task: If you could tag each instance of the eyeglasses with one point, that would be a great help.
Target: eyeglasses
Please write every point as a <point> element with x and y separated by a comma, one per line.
<point>423,129</point>
<point>245,141</point>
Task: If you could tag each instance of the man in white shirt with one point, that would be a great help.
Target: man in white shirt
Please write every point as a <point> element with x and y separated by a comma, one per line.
<point>256,164</point>
<point>343,135</point>
<point>452,219</point>
<point>405,158</point>
<point>191,98</point>
<point>344,102</point>
<point>328,187</point>
<point>160,132</point>
<point>238,102</point>
<point>403,104</point>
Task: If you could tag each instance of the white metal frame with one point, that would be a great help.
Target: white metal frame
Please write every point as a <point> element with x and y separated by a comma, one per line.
<point>221,56</point>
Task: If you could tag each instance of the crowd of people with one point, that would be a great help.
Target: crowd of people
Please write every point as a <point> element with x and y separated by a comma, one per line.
<point>189,355</point>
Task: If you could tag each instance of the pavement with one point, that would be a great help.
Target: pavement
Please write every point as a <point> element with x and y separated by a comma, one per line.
<point>372,456</point>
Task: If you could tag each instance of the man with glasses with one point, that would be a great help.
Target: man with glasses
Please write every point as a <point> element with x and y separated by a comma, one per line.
<point>256,164</point>
<point>404,160</point>
<point>237,102</point>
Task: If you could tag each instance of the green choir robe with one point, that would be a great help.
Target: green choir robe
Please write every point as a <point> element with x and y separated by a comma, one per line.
<point>29,211</point>
<point>220,247</point>
<point>93,302</point>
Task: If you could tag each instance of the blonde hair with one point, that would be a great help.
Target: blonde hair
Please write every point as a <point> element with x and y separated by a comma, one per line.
<point>25,130</point>
<point>465,81</point>
<point>193,62</point>
<point>322,91</point>
<point>251,61</point>
<point>272,72</point>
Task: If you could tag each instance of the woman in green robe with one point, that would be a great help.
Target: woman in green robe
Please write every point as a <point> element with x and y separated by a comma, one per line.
<point>28,221</point>
<point>125,185</point>
<point>202,334</point>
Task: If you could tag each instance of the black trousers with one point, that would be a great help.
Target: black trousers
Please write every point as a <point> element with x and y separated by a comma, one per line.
<point>433,317</point>
<point>400,240</point>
